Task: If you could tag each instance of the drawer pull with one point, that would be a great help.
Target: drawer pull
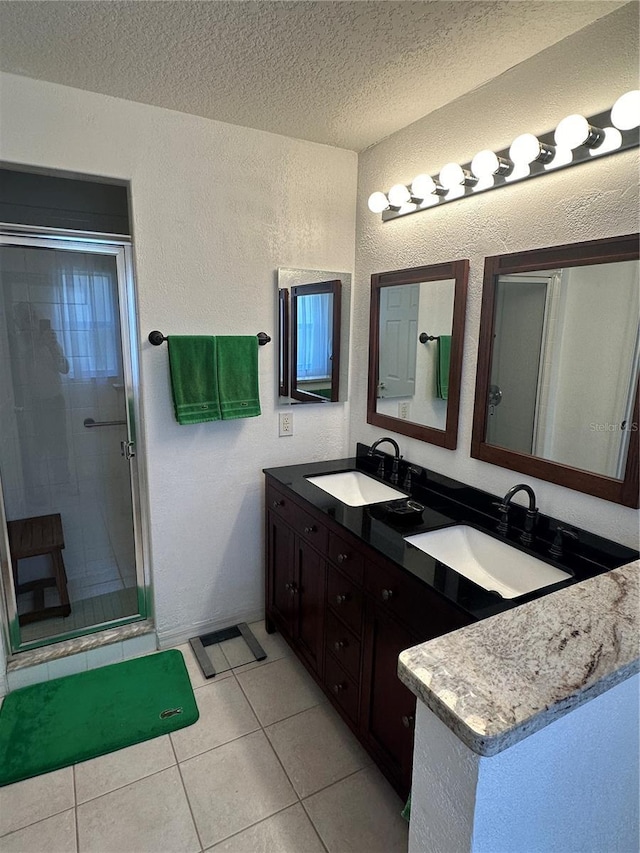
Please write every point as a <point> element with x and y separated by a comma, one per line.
<point>291,587</point>
<point>340,599</point>
<point>408,721</point>
<point>342,558</point>
<point>339,645</point>
<point>311,529</point>
<point>338,688</point>
<point>387,594</point>
<point>276,504</point>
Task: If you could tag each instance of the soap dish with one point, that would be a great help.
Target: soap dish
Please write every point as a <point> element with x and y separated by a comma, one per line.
<point>405,512</point>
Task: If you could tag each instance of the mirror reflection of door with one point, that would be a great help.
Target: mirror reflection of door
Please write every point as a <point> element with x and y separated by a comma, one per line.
<point>67,487</point>
<point>565,357</point>
<point>398,340</point>
<point>515,369</point>
<point>315,351</point>
<point>409,370</point>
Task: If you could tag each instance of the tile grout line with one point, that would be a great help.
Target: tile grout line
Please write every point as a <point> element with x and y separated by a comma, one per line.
<point>75,807</point>
<point>186,794</point>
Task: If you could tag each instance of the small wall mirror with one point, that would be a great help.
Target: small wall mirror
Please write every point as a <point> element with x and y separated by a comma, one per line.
<point>557,382</point>
<point>313,329</point>
<point>415,350</point>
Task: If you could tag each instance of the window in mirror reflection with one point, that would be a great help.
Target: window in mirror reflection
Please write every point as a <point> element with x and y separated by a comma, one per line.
<point>413,377</point>
<point>565,364</point>
<point>315,320</point>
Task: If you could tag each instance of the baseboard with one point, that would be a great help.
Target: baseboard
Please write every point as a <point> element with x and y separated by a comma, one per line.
<point>177,636</point>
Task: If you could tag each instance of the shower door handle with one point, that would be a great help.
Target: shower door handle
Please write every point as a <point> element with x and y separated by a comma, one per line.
<point>89,423</point>
<point>127,449</point>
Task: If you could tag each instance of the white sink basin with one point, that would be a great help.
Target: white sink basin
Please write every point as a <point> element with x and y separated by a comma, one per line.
<point>492,564</point>
<point>355,488</point>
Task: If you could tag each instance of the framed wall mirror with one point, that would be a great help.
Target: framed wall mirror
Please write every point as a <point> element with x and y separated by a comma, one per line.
<point>558,359</point>
<point>415,350</point>
<point>313,330</point>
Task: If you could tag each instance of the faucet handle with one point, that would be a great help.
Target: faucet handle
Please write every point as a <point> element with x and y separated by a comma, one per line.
<point>503,509</point>
<point>411,469</point>
<point>556,550</point>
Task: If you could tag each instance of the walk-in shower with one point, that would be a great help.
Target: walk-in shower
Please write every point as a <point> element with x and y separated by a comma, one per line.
<point>71,518</point>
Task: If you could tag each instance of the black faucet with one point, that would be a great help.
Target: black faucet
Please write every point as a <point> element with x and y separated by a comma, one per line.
<point>530,518</point>
<point>556,550</point>
<point>396,459</point>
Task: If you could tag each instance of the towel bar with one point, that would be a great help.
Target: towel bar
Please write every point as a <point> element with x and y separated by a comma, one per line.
<point>424,338</point>
<point>156,338</point>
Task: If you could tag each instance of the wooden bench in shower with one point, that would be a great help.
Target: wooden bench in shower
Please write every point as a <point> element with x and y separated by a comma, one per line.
<point>35,537</point>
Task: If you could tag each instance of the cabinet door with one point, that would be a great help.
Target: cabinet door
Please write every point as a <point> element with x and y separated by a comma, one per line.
<point>388,707</point>
<point>309,593</point>
<point>281,578</point>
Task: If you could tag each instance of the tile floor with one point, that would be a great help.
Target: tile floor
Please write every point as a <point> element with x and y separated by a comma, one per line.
<point>268,768</point>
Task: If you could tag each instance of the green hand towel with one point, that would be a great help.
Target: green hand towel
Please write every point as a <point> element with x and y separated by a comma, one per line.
<point>442,368</point>
<point>238,376</point>
<point>194,378</point>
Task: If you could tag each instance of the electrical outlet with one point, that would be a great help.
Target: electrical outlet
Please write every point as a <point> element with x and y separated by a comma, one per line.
<point>403,410</point>
<point>286,423</point>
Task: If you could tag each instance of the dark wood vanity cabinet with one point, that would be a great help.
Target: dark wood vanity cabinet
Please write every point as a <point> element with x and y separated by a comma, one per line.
<point>348,613</point>
<point>296,576</point>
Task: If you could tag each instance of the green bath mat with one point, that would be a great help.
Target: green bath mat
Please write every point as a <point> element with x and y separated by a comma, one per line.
<point>71,719</point>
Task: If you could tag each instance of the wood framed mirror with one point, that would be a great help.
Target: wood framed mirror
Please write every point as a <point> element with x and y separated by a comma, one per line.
<point>416,336</point>
<point>557,381</point>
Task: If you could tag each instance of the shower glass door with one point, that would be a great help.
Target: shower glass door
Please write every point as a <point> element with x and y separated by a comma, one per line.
<point>72,560</point>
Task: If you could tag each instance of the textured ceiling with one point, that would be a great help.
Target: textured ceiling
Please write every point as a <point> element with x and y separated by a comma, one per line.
<point>341,73</point>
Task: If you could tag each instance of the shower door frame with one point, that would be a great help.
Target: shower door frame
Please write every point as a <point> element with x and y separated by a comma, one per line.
<point>120,248</point>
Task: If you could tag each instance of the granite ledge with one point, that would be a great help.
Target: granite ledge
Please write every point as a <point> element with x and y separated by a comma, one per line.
<point>495,682</point>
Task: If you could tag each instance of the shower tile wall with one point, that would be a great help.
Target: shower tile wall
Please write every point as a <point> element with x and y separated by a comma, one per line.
<point>89,485</point>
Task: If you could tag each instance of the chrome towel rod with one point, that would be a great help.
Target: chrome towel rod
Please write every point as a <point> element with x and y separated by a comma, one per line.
<point>89,422</point>
<point>156,338</point>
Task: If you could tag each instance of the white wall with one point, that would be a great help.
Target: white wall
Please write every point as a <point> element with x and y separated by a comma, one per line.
<point>571,786</point>
<point>216,210</point>
<point>594,200</point>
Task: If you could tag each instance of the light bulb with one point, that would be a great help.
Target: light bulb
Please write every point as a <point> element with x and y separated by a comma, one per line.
<point>484,183</point>
<point>453,175</point>
<point>486,164</point>
<point>422,186</point>
<point>625,113</point>
<point>574,131</point>
<point>378,202</point>
<point>399,195</point>
<point>612,140</point>
<point>527,148</point>
<point>520,170</point>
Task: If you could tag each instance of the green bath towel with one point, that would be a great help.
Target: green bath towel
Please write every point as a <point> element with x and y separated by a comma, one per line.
<point>238,376</point>
<point>194,378</point>
<point>442,367</point>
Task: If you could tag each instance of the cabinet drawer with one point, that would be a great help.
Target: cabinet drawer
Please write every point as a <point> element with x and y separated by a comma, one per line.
<point>311,529</point>
<point>404,596</point>
<point>350,560</point>
<point>341,687</point>
<point>280,504</point>
<point>345,599</point>
<point>343,645</point>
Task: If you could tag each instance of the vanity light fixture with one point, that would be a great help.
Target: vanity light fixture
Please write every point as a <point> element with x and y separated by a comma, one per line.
<point>576,139</point>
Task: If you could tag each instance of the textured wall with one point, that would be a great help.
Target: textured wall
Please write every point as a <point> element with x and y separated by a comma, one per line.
<point>594,200</point>
<point>571,786</point>
<point>216,209</point>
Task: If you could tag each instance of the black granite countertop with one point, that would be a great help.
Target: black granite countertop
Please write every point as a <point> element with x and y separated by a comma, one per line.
<point>447,502</point>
